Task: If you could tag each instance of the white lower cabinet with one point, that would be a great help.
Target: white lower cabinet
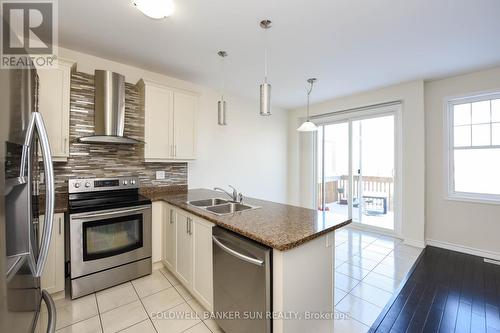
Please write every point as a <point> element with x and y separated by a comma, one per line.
<point>184,267</point>
<point>169,246</point>
<point>187,252</point>
<point>53,274</point>
<point>202,262</point>
<point>158,216</point>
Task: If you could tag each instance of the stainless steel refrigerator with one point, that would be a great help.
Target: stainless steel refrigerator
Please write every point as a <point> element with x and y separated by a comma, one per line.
<point>23,247</point>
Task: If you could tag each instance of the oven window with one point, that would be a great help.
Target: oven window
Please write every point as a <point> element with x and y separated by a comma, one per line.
<point>106,238</point>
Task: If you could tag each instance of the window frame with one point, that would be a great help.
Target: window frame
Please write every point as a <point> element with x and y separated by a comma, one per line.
<point>449,149</point>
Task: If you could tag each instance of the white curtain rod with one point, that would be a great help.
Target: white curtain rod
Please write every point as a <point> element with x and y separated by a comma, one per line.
<point>367,107</point>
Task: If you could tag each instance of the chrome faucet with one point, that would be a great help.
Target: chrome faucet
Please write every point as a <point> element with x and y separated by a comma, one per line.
<point>235,196</point>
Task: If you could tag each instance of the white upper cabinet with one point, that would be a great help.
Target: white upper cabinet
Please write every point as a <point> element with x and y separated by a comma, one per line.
<point>185,114</point>
<point>54,105</point>
<point>170,124</point>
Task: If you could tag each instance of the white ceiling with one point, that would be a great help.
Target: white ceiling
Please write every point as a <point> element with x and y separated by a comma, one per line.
<point>350,45</point>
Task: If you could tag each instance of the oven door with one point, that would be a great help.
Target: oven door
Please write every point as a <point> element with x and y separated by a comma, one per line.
<point>104,239</point>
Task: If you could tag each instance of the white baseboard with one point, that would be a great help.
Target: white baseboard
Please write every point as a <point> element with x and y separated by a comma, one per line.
<point>157,265</point>
<point>367,228</point>
<point>464,249</point>
<point>415,243</point>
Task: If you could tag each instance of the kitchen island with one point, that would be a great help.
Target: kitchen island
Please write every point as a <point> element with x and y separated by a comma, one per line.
<point>302,258</point>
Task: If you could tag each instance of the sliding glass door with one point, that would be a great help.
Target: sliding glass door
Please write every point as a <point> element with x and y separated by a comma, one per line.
<point>356,168</point>
<point>333,168</point>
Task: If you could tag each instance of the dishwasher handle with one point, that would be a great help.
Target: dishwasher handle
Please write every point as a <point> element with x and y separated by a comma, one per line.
<point>236,254</point>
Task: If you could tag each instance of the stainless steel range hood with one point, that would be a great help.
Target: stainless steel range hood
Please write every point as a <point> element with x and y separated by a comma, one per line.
<point>109,109</point>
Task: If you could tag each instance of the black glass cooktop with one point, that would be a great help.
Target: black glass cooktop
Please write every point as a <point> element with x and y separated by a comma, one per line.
<point>93,201</point>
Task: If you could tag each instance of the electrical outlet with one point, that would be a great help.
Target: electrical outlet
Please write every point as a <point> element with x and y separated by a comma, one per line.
<point>160,175</point>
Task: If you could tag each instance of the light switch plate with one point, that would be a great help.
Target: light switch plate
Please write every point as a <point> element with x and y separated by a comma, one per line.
<point>160,175</point>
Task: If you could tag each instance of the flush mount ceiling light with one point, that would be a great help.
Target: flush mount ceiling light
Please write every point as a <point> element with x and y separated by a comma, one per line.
<point>265,88</point>
<point>308,125</point>
<point>221,104</point>
<point>156,9</point>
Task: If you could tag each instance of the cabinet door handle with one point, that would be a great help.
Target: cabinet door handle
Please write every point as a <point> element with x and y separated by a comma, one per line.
<point>187,226</point>
<point>190,223</point>
<point>59,226</point>
<point>171,216</point>
<point>65,144</point>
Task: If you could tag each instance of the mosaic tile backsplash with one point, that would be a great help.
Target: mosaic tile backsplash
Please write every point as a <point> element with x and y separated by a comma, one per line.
<point>109,160</point>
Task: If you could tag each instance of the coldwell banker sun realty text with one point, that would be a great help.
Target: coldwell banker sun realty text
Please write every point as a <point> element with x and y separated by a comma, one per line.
<point>29,34</point>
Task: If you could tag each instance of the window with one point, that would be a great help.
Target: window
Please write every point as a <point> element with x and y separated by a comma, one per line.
<point>474,148</point>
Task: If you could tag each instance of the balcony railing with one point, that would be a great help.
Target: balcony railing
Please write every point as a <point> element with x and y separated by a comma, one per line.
<point>337,189</point>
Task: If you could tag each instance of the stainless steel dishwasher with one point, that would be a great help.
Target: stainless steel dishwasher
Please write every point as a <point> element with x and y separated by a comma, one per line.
<point>242,283</point>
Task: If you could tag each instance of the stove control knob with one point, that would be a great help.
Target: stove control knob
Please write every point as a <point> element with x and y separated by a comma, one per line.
<point>77,185</point>
<point>125,182</point>
<point>87,184</point>
<point>132,181</point>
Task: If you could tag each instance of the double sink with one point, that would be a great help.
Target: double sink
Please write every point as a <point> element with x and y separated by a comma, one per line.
<point>220,206</point>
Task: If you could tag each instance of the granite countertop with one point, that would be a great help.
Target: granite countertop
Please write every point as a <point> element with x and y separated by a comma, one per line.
<point>279,226</point>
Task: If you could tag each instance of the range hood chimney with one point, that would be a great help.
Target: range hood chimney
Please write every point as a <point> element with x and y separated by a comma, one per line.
<point>109,109</point>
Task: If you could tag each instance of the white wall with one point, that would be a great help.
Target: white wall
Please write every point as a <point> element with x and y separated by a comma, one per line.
<point>250,153</point>
<point>300,190</point>
<point>471,227</point>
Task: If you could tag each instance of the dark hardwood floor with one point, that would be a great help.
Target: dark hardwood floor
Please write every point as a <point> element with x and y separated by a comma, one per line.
<point>447,292</point>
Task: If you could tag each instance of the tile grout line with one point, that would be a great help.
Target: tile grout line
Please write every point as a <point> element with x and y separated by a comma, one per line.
<point>359,281</point>
<point>203,321</point>
<point>126,328</point>
<point>370,271</point>
<point>78,321</point>
<point>379,262</point>
<point>99,312</point>
<point>144,307</point>
<point>187,301</point>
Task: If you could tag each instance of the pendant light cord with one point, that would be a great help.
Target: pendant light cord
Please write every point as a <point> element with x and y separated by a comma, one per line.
<point>265,63</point>
<point>223,88</point>
<point>265,56</point>
<point>222,55</point>
<point>308,94</point>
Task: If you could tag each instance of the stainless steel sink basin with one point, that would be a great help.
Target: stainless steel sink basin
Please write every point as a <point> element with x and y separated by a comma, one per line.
<point>229,208</point>
<point>207,202</point>
<point>220,206</point>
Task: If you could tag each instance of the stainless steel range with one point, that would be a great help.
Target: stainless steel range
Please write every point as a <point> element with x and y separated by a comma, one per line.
<point>109,233</point>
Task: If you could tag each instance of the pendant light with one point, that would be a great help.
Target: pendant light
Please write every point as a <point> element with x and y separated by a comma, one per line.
<point>221,104</point>
<point>308,125</point>
<point>265,88</point>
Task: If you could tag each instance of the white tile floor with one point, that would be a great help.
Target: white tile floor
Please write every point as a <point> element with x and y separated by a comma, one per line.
<point>369,269</point>
<point>132,307</point>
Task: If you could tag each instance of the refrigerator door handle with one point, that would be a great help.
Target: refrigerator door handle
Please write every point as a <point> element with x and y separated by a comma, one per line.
<point>51,310</point>
<point>37,123</point>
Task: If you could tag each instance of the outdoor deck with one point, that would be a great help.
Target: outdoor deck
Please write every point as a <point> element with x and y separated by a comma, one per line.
<point>376,199</point>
